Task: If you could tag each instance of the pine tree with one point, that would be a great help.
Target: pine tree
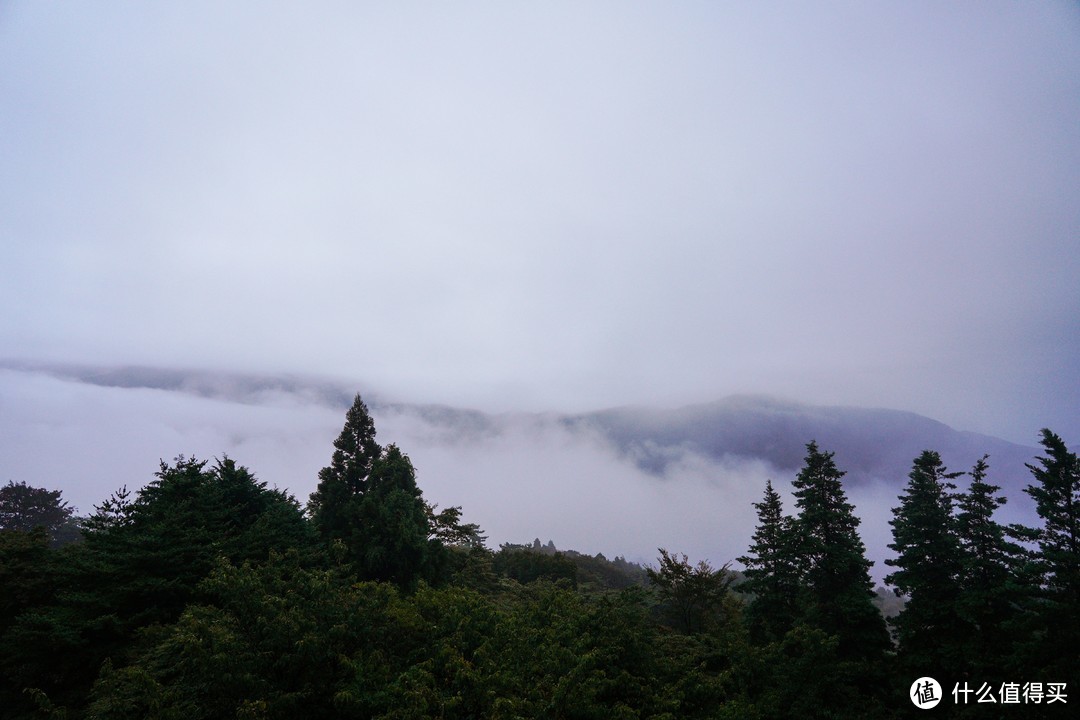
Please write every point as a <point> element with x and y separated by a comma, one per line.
<point>334,504</point>
<point>1057,501</point>
<point>929,567</point>
<point>390,540</point>
<point>990,586</point>
<point>368,499</point>
<point>772,573</point>
<point>836,570</point>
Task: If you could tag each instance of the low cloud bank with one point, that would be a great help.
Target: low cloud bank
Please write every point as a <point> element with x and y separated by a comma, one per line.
<point>519,476</point>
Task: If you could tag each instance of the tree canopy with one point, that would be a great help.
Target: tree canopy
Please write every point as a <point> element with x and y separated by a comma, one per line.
<point>24,508</point>
<point>206,594</point>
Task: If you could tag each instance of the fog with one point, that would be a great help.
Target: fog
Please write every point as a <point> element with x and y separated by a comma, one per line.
<point>519,476</point>
<point>529,478</point>
<point>558,206</point>
<point>530,209</point>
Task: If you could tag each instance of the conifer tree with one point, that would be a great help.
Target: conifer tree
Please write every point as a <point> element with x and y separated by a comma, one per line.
<point>334,504</point>
<point>772,573</point>
<point>1057,500</point>
<point>368,499</point>
<point>390,540</point>
<point>836,570</point>
<point>929,569</point>
<point>990,584</point>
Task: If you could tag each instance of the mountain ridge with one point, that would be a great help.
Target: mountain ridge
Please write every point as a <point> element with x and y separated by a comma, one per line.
<point>871,444</point>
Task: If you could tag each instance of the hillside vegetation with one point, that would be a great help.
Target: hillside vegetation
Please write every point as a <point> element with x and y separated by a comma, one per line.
<point>208,595</point>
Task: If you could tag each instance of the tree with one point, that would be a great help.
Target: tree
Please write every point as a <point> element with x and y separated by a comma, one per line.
<point>446,528</point>
<point>929,568</point>
<point>693,593</point>
<point>139,566</point>
<point>368,499</point>
<point>24,508</point>
<point>333,505</point>
<point>1057,500</point>
<point>525,564</point>
<point>772,572</point>
<point>1056,492</point>
<point>390,539</point>
<point>991,586</point>
<point>274,640</point>
<point>836,571</point>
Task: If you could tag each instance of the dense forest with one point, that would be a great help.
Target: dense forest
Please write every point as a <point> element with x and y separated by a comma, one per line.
<point>208,595</point>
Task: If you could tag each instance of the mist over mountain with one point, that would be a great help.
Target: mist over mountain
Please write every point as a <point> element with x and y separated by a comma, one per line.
<point>619,481</point>
<point>872,440</point>
<point>870,443</point>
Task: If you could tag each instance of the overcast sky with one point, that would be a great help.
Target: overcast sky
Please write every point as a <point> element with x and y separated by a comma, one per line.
<point>556,206</point>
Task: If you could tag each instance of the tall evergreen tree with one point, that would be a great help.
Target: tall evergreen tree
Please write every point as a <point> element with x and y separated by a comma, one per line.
<point>772,571</point>
<point>990,583</point>
<point>929,568</point>
<point>836,570</point>
<point>1057,500</point>
<point>390,540</point>
<point>334,504</point>
<point>368,499</point>
<point>1056,492</point>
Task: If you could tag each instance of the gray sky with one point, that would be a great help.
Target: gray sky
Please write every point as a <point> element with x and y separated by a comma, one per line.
<point>556,206</point>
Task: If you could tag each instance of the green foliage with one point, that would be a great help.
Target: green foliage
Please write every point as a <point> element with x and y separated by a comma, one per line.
<point>276,640</point>
<point>332,506</point>
<point>139,566</point>
<point>25,577</point>
<point>1057,500</point>
<point>390,537</point>
<point>836,571</point>
<point>206,595</point>
<point>929,570</point>
<point>368,499</point>
<point>691,595</point>
<point>803,675</point>
<point>772,572</point>
<point>816,644</point>
<point>282,641</point>
<point>446,528</point>
<point>525,565</point>
<point>598,574</point>
<point>27,581</point>
<point>24,508</point>
<point>1054,611</point>
<point>992,576</point>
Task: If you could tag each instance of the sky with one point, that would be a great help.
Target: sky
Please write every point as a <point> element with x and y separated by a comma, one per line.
<point>555,206</point>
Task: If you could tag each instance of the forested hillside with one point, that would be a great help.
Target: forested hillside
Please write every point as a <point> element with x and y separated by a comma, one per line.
<point>207,594</point>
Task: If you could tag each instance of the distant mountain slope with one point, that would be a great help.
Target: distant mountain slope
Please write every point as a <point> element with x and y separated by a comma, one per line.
<point>869,443</point>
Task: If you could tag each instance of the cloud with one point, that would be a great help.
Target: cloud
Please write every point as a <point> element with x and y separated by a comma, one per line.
<point>578,481</point>
<point>528,477</point>
<point>538,478</point>
<point>89,440</point>
<point>556,207</point>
